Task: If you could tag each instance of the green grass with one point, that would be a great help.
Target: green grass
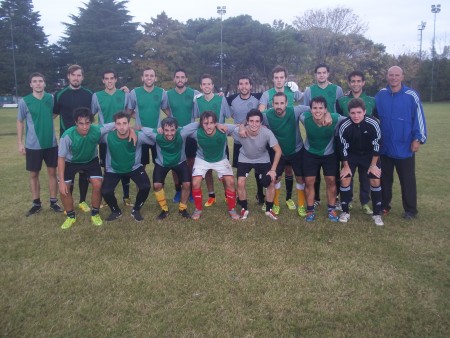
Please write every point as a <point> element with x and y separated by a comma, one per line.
<point>216,277</point>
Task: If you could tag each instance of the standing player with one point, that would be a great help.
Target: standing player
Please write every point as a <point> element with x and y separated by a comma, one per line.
<point>208,101</point>
<point>181,104</point>
<point>359,143</point>
<point>40,140</point>
<point>290,89</point>
<point>106,103</point>
<point>66,101</point>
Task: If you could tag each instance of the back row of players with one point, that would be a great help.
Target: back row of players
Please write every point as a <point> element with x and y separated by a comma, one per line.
<point>195,149</point>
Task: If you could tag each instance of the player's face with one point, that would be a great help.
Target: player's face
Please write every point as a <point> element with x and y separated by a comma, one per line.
<point>169,132</point>
<point>109,80</point>
<point>395,77</point>
<point>254,123</point>
<point>244,86</point>
<point>279,80</point>
<point>322,75</point>
<point>180,79</point>
<point>356,84</point>
<point>357,114</point>
<point>149,78</point>
<point>279,104</point>
<point>37,84</point>
<point>75,78</point>
<point>122,127</point>
<point>207,86</point>
<point>318,110</point>
<point>209,126</point>
<point>83,124</point>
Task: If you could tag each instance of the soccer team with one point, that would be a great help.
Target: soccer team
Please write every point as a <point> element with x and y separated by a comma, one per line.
<point>344,133</point>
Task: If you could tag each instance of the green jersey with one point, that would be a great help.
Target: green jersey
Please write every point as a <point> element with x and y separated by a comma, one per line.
<point>147,105</point>
<point>331,93</point>
<point>106,105</point>
<point>182,105</point>
<point>212,148</point>
<point>342,104</point>
<point>218,105</point>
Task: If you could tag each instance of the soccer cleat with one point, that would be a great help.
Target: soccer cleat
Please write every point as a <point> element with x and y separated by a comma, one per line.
<point>210,201</point>
<point>378,221</point>
<point>244,213</point>
<point>260,199</point>
<point>177,197</point>
<point>366,209</point>
<point>408,216</point>
<point>316,204</point>
<point>338,205</point>
<point>184,213</point>
<point>127,202</point>
<point>291,204</point>
<point>271,215</point>
<point>276,209</point>
<point>350,206</point>
<point>263,207</point>
<point>233,214</point>
<point>196,214</point>
<point>301,210</point>
<point>310,216</point>
<point>68,223</point>
<point>84,207</point>
<point>344,218</point>
<point>136,214</point>
<point>55,207</point>
<point>332,216</point>
<point>163,214</point>
<point>96,220</point>
<point>34,210</point>
<point>113,216</point>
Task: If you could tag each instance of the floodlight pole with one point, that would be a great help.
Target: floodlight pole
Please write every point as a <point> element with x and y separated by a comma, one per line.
<point>10,15</point>
<point>421,27</point>
<point>434,9</point>
<point>221,10</point>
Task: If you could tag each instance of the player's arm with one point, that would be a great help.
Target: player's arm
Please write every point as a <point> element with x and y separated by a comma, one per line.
<point>273,170</point>
<point>20,145</point>
<point>63,190</point>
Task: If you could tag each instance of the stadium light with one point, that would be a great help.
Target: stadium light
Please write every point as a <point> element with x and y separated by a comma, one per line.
<point>435,9</point>
<point>10,16</point>
<point>221,10</point>
<point>421,27</point>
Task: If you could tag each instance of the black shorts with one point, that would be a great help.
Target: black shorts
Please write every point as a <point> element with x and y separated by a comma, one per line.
<point>139,176</point>
<point>243,169</point>
<point>182,171</point>
<point>363,162</point>
<point>34,158</point>
<point>91,169</point>
<point>191,147</point>
<point>236,148</point>
<point>102,153</point>
<point>295,161</point>
<point>145,156</point>
<point>312,164</point>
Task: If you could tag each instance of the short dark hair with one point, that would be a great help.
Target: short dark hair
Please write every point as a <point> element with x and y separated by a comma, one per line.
<point>244,77</point>
<point>109,71</point>
<point>149,68</point>
<point>280,94</point>
<point>278,69</point>
<point>356,73</point>
<point>74,68</point>
<point>169,121</point>
<point>321,65</point>
<point>121,115</point>
<point>318,99</point>
<point>356,103</point>
<point>206,115</point>
<point>36,74</point>
<point>179,70</point>
<point>206,76</point>
<point>254,112</point>
<point>83,112</point>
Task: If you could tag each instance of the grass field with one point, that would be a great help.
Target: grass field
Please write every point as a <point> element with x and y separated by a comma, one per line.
<point>219,278</point>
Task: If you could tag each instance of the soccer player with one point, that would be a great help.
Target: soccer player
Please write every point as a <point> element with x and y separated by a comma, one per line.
<point>208,101</point>
<point>40,140</point>
<point>78,152</point>
<point>403,128</point>
<point>145,103</point>
<point>359,144</point>
<point>290,89</point>
<point>211,156</point>
<point>319,153</point>
<point>123,158</point>
<point>106,103</point>
<point>170,146</point>
<point>253,154</point>
<point>66,101</point>
<point>181,105</point>
<point>356,82</point>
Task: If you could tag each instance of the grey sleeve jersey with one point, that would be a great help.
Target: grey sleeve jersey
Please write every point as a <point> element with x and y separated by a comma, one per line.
<point>254,148</point>
<point>240,107</point>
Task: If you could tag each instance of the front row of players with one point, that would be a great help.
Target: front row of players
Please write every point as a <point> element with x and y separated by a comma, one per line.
<point>357,138</point>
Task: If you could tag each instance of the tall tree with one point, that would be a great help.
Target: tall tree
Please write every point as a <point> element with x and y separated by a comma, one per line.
<point>31,54</point>
<point>101,36</point>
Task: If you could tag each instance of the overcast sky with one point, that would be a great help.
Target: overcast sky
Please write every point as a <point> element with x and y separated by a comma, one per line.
<point>393,23</point>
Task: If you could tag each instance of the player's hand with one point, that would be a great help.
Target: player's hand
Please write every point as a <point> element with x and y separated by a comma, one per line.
<point>21,148</point>
<point>345,172</point>
<point>125,89</point>
<point>327,121</point>
<point>133,137</point>
<point>63,188</point>
<point>222,128</point>
<point>272,174</point>
<point>415,145</point>
<point>292,86</point>
<point>374,170</point>
<point>160,131</point>
<point>243,131</point>
<point>197,96</point>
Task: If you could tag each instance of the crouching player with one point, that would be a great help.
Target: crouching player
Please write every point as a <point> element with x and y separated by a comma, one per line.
<point>170,149</point>
<point>211,156</point>
<point>359,141</point>
<point>78,153</point>
<point>123,159</point>
<point>253,154</point>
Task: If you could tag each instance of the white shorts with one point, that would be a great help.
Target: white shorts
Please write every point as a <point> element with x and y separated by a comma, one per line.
<point>223,168</point>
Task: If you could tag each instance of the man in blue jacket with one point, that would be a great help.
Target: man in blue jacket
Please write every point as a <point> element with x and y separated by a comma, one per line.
<point>403,128</point>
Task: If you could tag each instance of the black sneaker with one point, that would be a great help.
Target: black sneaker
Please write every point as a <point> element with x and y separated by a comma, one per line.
<point>184,213</point>
<point>162,215</point>
<point>136,214</point>
<point>55,207</point>
<point>114,215</point>
<point>34,210</point>
<point>408,216</point>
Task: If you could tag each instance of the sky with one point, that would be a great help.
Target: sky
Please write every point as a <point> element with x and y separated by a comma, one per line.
<point>393,23</point>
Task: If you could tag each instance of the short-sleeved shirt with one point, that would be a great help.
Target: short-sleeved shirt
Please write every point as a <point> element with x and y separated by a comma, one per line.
<point>147,105</point>
<point>254,148</point>
<point>292,97</point>
<point>331,93</point>
<point>106,105</point>
<point>38,113</point>
<point>239,107</point>
<point>218,105</point>
<point>182,105</point>
<point>342,104</point>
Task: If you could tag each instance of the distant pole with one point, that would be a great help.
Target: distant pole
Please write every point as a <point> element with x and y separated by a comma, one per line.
<point>421,27</point>
<point>434,9</point>
<point>221,10</point>
<point>10,15</point>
